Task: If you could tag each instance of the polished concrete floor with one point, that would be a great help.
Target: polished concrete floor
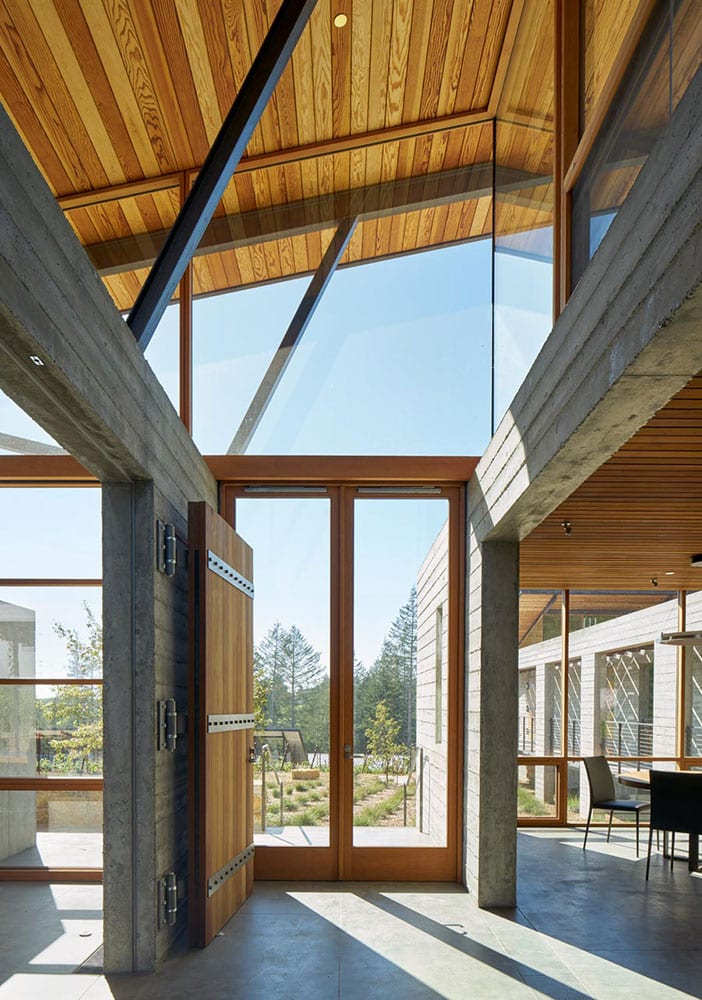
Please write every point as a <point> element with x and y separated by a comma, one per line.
<point>587,926</point>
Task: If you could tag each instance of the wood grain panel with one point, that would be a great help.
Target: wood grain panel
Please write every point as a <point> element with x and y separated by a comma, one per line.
<point>220,787</point>
<point>604,29</point>
<point>113,91</point>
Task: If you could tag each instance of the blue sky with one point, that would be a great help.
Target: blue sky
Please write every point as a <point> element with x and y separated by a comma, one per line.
<point>396,360</point>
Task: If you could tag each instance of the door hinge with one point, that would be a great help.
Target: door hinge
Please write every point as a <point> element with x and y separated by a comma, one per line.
<point>170,724</point>
<point>166,554</point>
<point>167,900</point>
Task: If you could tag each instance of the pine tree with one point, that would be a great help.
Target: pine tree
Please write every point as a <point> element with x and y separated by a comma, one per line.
<point>292,670</point>
<point>301,665</point>
<point>391,679</point>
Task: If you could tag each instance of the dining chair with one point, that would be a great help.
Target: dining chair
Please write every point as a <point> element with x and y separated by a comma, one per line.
<point>603,796</point>
<point>676,806</point>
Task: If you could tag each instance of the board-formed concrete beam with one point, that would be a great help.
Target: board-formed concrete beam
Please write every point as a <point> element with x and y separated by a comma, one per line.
<point>629,338</point>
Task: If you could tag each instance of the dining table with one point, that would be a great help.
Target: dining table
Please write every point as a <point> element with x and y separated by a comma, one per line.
<point>642,779</point>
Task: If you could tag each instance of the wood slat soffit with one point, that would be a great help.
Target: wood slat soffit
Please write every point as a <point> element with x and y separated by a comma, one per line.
<point>128,97</point>
<point>638,518</point>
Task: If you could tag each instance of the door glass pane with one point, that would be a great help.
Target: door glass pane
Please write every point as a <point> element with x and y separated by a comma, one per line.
<point>401,622</point>
<point>290,539</point>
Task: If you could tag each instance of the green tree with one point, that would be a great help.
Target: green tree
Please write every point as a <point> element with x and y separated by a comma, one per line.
<point>293,672</point>
<point>75,710</point>
<point>313,716</point>
<point>261,692</point>
<point>268,664</point>
<point>392,678</point>
<point>302,668</point>
<point>381,737</point>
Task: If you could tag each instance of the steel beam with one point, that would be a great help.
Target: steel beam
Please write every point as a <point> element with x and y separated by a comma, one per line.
<point>293,335</point>
<point>217,170</point>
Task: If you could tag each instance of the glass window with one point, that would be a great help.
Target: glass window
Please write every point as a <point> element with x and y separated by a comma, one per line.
<point>656,79</point>
<point>50,632</point>
<point>48,532</point>
<point>50,730</point>
<point>163,353</point>
<point>523,293</point>
<point>235,336</point>
<point>540,629</point>
<point>628,680</point>
<point>55,829</point>
<point>693,678</point>
<point>20,435</point>
<point>537,791</point>
<point>396,360</point>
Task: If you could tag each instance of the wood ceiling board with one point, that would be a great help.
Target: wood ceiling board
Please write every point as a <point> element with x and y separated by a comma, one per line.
<point>638,516</point>
<point>528,86</point>
<point>605,26</point>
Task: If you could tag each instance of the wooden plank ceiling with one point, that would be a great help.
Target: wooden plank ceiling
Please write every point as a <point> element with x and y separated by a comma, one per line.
<point>637,519</point>
<point>119,102</point>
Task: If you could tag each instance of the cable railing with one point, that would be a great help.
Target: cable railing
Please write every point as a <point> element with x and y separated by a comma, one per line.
<point>526,742</point>
<point>625,738</point>
<point>555,736</point>
<point>693,741</point>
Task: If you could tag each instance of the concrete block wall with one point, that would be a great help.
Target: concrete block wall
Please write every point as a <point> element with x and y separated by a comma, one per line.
<point>432,594</point>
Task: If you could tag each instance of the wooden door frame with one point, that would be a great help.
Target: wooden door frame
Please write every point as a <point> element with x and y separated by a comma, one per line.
<point>341,478</point>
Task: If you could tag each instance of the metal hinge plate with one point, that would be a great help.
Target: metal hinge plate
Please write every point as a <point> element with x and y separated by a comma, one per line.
<point>170,724</point>
<point>167,900</point>
<point>166,554</point>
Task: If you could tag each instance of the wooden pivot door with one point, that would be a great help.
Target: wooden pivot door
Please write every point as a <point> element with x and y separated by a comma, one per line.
<point>221,706</point>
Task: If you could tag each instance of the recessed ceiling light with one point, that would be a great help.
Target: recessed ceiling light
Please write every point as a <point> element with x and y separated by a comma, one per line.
<point>340,21</point>
<point>36,360</point>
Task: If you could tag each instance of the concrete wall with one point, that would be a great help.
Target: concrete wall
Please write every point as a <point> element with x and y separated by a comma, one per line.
<point>628,339</point>
<point>432,762</point>
<point>96,395</point>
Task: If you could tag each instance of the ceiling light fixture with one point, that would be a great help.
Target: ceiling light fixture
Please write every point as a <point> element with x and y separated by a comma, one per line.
<point>654,581</point>
<point>340,21</point>
<point>36,360</point>
<point>670,572</point>
<point>567,527</point>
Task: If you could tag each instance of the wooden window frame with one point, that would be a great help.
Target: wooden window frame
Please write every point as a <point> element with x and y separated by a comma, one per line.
<point>36,471</point>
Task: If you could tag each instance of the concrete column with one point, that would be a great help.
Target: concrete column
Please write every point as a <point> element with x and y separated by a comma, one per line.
<point>589,720</point>
<point>490,859</point>
<point>129,727</point>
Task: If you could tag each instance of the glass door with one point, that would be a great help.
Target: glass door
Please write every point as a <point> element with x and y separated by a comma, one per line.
<point>294,797</point>
<point>400,765</point>
<point>357,693</point>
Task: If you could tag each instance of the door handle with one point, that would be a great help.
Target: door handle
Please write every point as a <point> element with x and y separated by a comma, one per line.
<point>348,751</point>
